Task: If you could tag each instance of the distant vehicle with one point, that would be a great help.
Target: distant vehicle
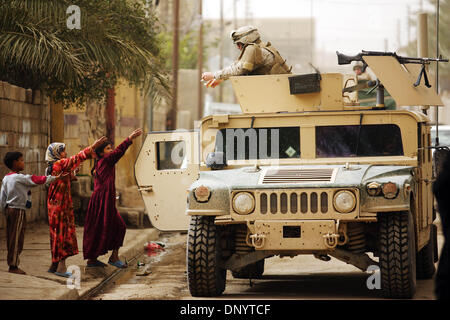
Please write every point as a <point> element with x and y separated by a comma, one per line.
<point>341,180</point>
<point>444,135</point>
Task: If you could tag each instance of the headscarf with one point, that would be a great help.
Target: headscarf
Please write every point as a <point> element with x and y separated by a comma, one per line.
<point>53,154</point>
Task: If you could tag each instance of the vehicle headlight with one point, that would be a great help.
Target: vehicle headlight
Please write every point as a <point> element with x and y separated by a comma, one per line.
<point>202,194</point>
<point>243,203</point>
<point>344,201</point>
<point>390,190</point>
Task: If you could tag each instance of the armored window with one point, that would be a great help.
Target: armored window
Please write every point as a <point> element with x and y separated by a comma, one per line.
<point>259,143</point>
<point>171,155</point>
<point>358,141</point>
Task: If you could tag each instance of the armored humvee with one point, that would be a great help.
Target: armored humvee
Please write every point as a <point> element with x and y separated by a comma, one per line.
<point>303,170</point>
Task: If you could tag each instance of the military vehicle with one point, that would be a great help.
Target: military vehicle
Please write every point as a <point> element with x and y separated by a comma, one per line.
<point>303,170</point>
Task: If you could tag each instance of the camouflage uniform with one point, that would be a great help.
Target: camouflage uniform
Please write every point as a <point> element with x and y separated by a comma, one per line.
<point>256,58</point>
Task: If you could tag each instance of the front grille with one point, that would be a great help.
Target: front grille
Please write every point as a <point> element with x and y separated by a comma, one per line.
<point>274,176</point>
<point>290,202</point>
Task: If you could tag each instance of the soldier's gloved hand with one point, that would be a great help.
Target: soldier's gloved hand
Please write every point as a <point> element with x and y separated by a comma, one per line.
<point>207,76</point>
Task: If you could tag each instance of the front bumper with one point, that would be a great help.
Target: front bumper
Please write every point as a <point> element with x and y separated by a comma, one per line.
<point>303,235</point>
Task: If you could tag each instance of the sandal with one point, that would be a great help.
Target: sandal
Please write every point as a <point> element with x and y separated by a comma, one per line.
<point>96,264</point>
<point>118,264</point>
<point>65,274</point>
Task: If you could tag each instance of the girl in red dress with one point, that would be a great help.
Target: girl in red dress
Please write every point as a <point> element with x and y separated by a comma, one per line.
<point>104,228</point>
<point>63,239</point>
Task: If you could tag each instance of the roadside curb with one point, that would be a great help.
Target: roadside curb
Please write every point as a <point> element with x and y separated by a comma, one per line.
<point>109,273</point>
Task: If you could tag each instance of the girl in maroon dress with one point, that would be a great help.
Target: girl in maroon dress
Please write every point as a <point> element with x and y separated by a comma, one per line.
<point>104,228</point>
<point>63,239</point>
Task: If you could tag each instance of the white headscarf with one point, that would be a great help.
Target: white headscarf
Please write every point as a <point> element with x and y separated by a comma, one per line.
<point>53,154</point>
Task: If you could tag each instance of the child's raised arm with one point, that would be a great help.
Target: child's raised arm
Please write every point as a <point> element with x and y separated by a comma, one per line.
<point>119,151</point>
<point>73,162</point>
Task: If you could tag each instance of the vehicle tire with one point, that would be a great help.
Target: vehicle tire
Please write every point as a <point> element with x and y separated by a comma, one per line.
<point>252,271</point>
<point>425,258</point>
<point>205,277</point>
<point>397,254</point>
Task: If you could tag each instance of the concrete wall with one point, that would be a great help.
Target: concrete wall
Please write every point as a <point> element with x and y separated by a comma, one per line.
<point>24,127</point>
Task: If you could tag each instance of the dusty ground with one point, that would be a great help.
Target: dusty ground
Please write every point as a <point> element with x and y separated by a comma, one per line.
<point>302,277</point>
<point>36,258</point>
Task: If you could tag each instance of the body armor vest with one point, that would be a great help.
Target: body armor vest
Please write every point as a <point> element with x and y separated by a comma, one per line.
<point>252,56</point>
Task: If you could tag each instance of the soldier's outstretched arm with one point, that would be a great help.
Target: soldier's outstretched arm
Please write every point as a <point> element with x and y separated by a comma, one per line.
<point>235,69</point>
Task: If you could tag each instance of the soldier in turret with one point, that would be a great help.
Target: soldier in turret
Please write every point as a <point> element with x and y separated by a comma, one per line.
<point>256,58</point>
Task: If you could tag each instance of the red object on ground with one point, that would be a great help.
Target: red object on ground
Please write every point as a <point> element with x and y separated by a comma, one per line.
<point>153,248</point>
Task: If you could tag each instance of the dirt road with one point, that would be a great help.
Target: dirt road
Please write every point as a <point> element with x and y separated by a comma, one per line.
<point>302,277</point>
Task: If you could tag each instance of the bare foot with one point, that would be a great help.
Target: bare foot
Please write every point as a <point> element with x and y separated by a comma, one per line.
<point>62,267</point>
<point>16,270</point>
<point>114,256</point>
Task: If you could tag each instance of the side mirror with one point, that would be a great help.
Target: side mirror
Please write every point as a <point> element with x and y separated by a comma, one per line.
<point>216,160</point>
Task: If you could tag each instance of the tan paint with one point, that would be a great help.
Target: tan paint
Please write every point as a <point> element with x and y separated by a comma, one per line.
<point>164,191</point>
<point>311,238</point>
<point>406,120</point>
<point>262,98</point>
<point>399,80</point>
<point>330,214</point>
<point>254,95</point>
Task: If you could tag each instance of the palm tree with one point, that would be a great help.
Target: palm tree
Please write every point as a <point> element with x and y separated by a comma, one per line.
<point>117,39</point>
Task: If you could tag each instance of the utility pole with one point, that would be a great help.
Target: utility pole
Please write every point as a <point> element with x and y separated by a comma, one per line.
<point>110,114</point>
<point>422,35</point>
<point>175,52</point>
<point>408,21</point>
<point>235,14</point>
<point>200,59</point>
<point>221,48</point>
<point>248,15</point>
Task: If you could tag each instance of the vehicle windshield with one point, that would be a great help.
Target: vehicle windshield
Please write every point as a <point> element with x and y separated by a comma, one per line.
<point>259,143</point>
<point>358,141</point>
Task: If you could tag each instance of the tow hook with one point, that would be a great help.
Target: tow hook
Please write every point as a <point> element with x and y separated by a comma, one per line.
<point>331,240</point>
<point>258,240</point>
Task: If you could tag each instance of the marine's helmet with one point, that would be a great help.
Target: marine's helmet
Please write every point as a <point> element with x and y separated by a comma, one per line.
<point>245,35</point>
<point>358,65</point>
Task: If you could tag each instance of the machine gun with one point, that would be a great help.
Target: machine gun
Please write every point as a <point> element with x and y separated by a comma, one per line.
<point>344,59</point>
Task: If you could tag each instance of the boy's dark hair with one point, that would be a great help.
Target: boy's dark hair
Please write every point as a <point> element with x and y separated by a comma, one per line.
<point>10,157</point>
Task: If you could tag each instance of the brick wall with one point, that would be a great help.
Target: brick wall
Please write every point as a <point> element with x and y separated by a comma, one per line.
<point>24,127</point>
